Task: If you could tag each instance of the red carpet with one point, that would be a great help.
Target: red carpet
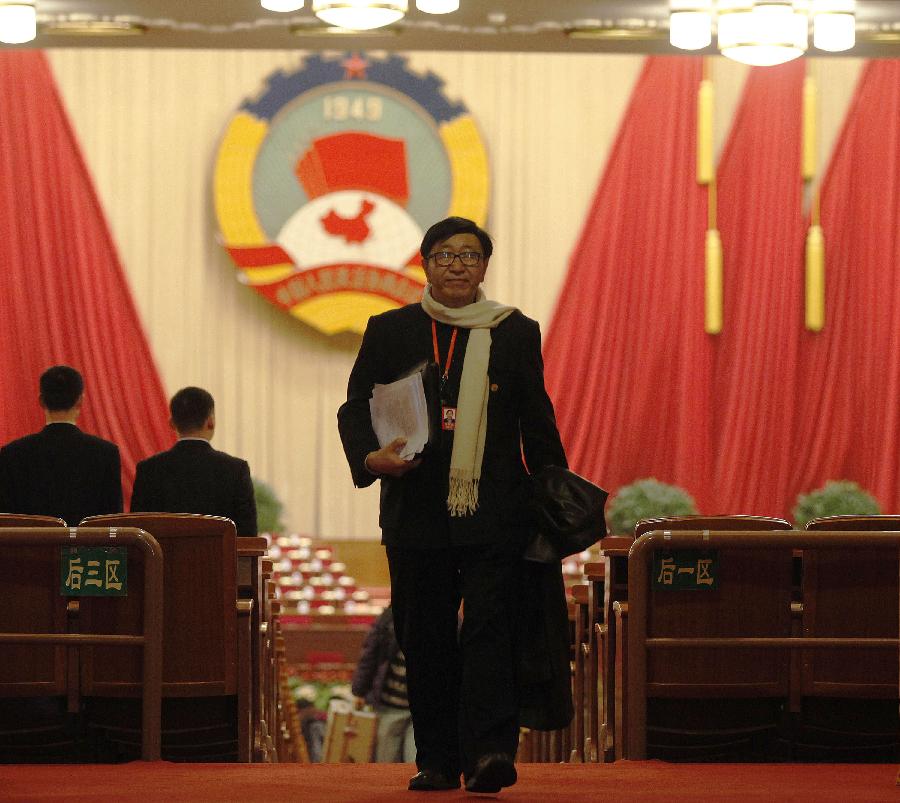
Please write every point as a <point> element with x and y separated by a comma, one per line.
<point>335,783</point>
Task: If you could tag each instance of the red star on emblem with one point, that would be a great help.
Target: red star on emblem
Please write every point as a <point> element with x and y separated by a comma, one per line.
<point>354,67</point>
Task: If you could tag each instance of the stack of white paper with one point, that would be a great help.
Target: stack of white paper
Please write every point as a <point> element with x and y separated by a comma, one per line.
<point>399,411</point>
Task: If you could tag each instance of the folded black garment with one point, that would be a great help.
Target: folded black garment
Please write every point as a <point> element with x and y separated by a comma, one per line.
<point>568,514</point>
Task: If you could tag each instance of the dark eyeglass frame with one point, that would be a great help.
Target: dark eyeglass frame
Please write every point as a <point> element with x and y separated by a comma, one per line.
<point>468,259</point>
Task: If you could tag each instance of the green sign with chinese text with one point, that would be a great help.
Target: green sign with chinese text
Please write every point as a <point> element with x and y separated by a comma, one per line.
<point>686,569</point>
<point>93,571</point>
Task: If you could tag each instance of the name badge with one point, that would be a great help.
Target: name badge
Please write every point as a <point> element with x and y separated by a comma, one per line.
<point>448,418</point>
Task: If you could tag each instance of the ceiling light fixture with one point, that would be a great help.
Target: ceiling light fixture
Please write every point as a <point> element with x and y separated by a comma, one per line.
<point>690,24</point>
<point>360,15</point>
<point>281,5</point>
<point>322,29</point>
<point>18,21</point>
<point>763,32</point>
<point>834,24</point>
<point>437,6</point>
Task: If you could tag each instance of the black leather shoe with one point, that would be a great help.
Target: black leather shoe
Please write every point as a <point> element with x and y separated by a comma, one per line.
<point>432,781</point>
<point>492,773</point>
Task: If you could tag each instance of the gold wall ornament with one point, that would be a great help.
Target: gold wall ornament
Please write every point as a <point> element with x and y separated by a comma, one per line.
<point>713,316</point>
<point>706,175</point>
<point>815,278</point>
<point>815,237</point>
<point>810,156</point>
<point>705,106</point>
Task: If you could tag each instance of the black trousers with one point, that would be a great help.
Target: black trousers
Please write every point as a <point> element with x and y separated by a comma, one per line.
<point>461,682</point>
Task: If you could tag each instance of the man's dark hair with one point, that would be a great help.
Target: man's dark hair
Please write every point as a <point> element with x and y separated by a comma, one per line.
<point>190,408</point>
<point>61,388</point>
<point>446,228</point>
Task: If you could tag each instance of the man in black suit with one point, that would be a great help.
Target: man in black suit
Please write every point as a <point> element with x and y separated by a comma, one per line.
<point>454,520</point>
<point>192,477</point>
<point>61,471</point>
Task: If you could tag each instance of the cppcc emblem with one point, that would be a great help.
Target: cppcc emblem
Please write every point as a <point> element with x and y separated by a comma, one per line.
<point>325,183</point>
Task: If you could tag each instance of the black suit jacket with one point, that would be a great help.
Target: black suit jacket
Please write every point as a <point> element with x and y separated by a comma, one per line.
<point>520,422</point>
<point>192,477</point>
<point>60,471</point>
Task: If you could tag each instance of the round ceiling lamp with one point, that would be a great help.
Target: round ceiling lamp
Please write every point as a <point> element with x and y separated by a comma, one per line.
<point>18,22</point>
<point>437,6</point>
<point>360,15</point>
<point>834,24</point>
<point>763,33</point>
<point>690,24</point>
<point>281,5</point>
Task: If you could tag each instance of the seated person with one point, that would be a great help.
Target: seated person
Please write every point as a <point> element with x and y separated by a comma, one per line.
<point>192,477</point>
<point>60,471</point>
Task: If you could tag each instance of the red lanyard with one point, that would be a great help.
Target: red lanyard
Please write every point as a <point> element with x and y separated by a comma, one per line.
<point>437,353</point>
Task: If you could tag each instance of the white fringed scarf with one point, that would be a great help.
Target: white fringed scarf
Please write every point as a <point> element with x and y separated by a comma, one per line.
<point>471,414</point>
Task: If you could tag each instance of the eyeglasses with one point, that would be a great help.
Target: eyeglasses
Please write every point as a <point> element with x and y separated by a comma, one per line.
<point>444,259</point>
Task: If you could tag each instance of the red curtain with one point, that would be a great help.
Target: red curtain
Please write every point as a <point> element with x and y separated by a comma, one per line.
<point>747,419</point>
<point>760,220</point>
<point>847,416</point>
<point>627,361</point>
<point>63,293</point>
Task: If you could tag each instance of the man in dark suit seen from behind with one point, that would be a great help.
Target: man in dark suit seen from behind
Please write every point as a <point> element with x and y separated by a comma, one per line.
<point>192,477</point>
<point>61,471</point>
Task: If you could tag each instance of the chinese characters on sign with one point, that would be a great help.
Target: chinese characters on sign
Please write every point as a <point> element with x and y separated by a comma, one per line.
<point>686,570</point>
<point>93,572</point>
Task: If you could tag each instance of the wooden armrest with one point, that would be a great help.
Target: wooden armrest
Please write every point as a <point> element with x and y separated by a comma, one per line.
<point>600,629</point>
<point>244,607</point>
<point>616,544</point>
<point>251,545</point>
<point>620,609</point>
<point>586,649</point>
<point>580,594</point>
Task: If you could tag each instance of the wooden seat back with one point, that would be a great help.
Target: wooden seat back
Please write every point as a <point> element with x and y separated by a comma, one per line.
<point>707,703</point>
<point>30,602</point>
<point>851,593</point>
<point>723,522</point>
<point>753,599</point>
<point>199,618</point>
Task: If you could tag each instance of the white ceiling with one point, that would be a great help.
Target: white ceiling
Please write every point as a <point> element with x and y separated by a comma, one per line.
<point>511,25</point>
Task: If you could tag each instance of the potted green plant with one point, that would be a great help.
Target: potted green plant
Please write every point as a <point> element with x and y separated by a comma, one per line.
<point>835,498</point>
<point>268,508</point>
<point>646,499</point>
